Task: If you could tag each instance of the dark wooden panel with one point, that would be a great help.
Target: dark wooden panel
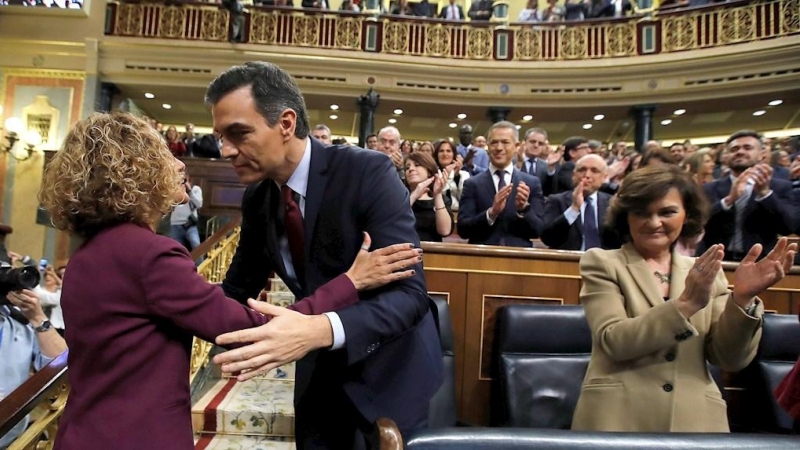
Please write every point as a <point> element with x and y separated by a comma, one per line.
<point>454,286</point>
<point>222,192</point>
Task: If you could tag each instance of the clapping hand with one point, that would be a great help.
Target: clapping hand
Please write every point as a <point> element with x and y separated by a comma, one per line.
<point>555,157</point>
<point>697,291</point>
<point>577,194</point>
<point>523,193</point>
<point>397,159</point>
<point>499,203</point>
<point>439,181</point>
<point>751,277</point>
<point>421,189</point>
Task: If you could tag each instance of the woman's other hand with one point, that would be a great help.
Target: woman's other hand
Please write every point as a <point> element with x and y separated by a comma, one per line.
<point>697,291</point>
<point>374,269</point>
<point>751,277</point>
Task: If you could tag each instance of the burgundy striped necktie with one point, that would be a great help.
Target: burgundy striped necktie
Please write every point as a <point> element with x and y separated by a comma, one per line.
<point>293,221</point>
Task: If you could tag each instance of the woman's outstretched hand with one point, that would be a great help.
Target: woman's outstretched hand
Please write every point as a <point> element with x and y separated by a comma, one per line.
<point>751,277</point>
<point>374,269</point>
<point>697,291</point>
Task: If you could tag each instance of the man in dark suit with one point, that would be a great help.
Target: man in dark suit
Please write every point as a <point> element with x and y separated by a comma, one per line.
<point>573,220</point>
<point>503,205</point>
<point>575,148</point>
<point>452,11</point>
<point>609,8</point>
<point>750,206</point>
<point>303,215</point>
<point>532,162</point>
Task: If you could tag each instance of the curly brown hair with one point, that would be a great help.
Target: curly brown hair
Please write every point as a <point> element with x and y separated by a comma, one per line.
<point>113,168</point>
<point>648,184</point>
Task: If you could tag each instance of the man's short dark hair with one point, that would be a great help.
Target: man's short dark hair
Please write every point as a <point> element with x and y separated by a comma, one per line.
<point>272,88</point>
<point>571,144</point>
<point>371,135</point>
<point>536,130</point>
<point>746,133</point>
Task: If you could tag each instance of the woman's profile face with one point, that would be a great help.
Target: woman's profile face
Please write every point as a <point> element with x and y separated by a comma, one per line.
<point>708,165</point>
<point>181,196</point>
<point>655,229</point>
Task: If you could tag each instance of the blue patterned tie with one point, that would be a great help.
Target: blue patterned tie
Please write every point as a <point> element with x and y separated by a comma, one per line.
<point>591,237</point>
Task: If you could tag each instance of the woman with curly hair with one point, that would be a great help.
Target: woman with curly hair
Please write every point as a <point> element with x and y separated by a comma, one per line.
<point>133,299</point>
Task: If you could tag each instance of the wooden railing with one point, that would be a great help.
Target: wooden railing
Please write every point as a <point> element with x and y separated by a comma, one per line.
<point>675,31</point>
<point>48,388</point>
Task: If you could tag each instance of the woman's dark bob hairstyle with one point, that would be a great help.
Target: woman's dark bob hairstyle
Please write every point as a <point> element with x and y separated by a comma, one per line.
<point>648,184</point>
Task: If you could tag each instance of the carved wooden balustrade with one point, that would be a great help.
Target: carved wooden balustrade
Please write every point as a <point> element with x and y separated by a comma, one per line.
<point>674,31</point>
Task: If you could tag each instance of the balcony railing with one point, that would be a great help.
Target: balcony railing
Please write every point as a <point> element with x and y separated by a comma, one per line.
<point>691,29</point>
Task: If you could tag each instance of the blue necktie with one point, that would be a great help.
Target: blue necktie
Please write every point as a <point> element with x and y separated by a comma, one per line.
<point>591,237</point>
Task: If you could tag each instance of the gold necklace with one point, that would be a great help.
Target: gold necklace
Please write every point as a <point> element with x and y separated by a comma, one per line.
<point>662,277</point>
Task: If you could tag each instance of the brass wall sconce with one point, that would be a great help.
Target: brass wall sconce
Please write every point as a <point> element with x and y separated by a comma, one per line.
<point>13,128</point>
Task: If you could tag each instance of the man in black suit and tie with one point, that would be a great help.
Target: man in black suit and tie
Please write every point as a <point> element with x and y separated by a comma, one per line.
<point>749,206</point>
<point>573,220</point>
<point>575,148</point>
<point>503,205</point>
<point>452,11</point>
<point>303,215</point>
<point>535,146</point>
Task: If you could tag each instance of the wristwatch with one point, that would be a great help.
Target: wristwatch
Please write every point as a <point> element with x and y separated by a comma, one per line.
<point>46,325</point>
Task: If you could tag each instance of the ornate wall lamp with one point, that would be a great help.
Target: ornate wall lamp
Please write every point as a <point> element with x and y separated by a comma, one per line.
<point>11,132</point>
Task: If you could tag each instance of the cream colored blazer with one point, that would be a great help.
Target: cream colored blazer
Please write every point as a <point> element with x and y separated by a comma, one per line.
<point>648,370</point>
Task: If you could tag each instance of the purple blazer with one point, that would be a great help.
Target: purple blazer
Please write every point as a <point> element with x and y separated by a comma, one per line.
<point>132,301</point>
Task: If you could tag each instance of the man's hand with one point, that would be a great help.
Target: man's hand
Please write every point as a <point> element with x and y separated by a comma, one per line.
<point>500,202</point>
<point>554,158</point>
<point>28,303</point>
<point>577,195</point>
<point>794,169</point>
<point>287,337</point>
<point>523,193</point>
<point>738,187</point>
<point>617,169</point>
<point>762,175</point>
<point>397,159</point>
<point>471,151</point>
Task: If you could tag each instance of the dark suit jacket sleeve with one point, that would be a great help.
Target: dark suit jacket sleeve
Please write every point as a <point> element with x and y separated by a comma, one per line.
<point>388,312</point>
<point>718,220</point>
<point>556,227</point>
<point>472,223</point>
<point>530,224</point>
<point>176,292</point>
<point>250,267</point>
<point>776,209</point>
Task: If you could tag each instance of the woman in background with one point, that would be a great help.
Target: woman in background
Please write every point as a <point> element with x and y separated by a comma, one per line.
<point>133,299</point>
<point>657,317</point>
<point>174,142</point>
<point>701,166</point>
<point>450,162</point>
<point>426,183</point>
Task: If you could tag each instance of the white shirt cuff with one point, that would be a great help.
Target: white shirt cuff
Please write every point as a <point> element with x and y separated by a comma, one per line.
<point>571,215</point>
<point>758,199</point>
<point>338,330</point>
<point>725,207</point>
<point>489,219</point>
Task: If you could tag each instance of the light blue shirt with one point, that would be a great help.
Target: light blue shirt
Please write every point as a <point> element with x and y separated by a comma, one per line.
<point>18,349</point>
<point>480,160</point>
<point>571,215</point>
<point>298,182</point>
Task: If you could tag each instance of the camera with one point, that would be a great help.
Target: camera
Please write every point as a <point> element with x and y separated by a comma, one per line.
<point>16,279</point>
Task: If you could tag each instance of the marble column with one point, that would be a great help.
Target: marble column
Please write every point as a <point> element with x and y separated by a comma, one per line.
<point>643,125</point>
<point>498,113</point>
<point>367,104</point>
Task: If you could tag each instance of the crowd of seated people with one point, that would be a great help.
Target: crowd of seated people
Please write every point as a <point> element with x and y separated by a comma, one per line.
<point>515,189</point>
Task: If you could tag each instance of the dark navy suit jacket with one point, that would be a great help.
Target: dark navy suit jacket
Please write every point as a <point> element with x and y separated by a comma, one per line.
<point>559,234</point>
<point>763,221</point>
<point>508,229</point>
<point>391,364</point>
